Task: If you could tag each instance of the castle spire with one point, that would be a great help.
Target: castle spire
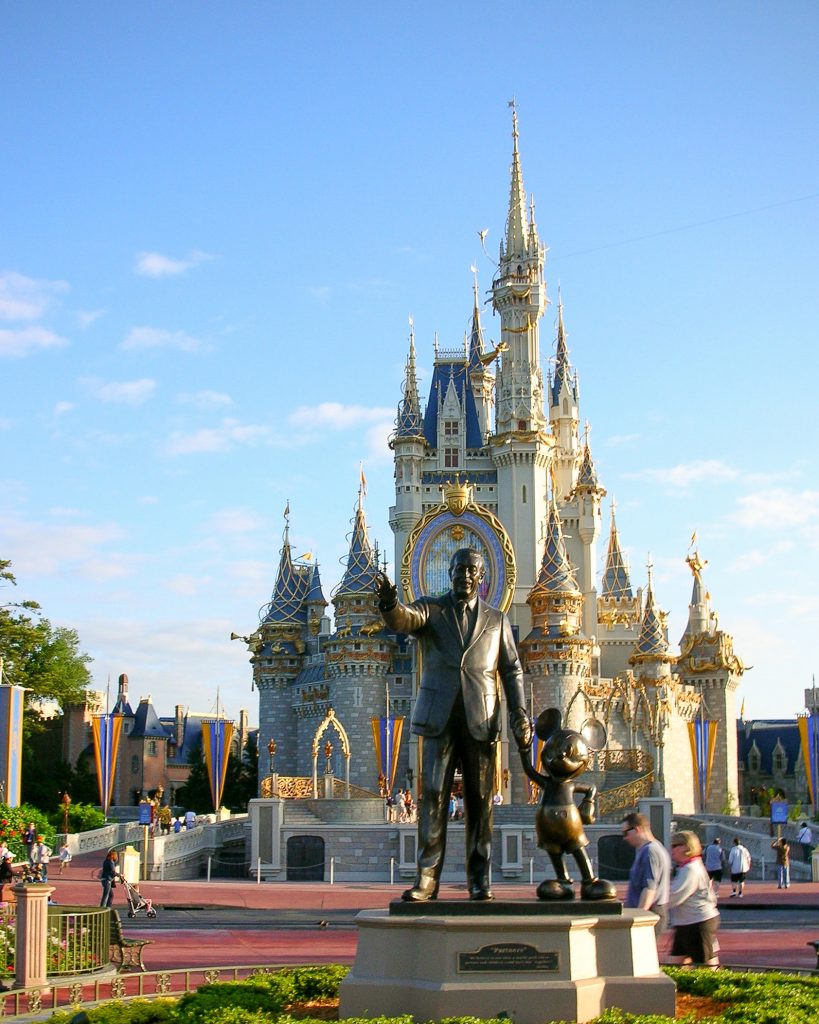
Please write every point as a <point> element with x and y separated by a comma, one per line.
<point>651,645</point>
<point>616,581</point>
<point>517,228</point>
<point>557,574</point>
<point>290,588</point>
<point>700,616</point>
<point>476,334</point>
<point>408,421</point>
<point>563,376</point>
<point>361,564</point>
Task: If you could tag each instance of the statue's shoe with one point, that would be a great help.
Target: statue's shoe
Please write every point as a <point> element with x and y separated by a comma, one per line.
<point>481,892</point>
<point>420,893</point>
<point>598,889</point>
<point>551,889</point>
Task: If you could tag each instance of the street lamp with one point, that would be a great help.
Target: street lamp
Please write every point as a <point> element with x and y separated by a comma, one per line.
<point>66,802</point>
<point>271,750</point>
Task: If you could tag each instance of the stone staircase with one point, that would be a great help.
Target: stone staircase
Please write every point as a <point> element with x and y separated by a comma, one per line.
<point>298,815</point>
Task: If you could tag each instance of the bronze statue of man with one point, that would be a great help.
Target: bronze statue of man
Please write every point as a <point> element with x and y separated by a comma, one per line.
<point>467,646</point>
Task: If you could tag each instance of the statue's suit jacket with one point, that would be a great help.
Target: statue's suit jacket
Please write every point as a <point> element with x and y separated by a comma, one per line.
<point>451,664</point>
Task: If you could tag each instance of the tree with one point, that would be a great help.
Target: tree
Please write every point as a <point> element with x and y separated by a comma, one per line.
<point>48,662</point>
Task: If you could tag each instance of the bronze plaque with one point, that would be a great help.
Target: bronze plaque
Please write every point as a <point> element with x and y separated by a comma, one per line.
<point>508,956</point>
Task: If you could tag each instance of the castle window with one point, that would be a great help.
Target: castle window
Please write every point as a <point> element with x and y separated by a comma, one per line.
<point>754,760</point>
<point>152,748</point>
<point>450,458</point>
<point>521,424</point>
<point>134,764</point>
<point>565,406</point>
<point>523,494</point>
<point>450,428</point>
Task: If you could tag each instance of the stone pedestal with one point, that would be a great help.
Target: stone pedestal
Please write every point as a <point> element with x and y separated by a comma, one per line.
<point>266,819</point>
<point>32,934</point>
<point>530,962</point>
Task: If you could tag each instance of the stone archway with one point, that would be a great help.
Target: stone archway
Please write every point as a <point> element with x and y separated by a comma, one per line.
<point>331,721</point>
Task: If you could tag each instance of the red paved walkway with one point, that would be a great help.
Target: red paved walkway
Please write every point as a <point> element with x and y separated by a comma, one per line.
<point>786,947</point>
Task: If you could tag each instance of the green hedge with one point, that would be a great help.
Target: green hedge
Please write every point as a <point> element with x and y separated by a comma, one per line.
<point>262,999</point>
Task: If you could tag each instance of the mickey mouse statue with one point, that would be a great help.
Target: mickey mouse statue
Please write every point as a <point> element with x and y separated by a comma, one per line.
<point>564,756</point>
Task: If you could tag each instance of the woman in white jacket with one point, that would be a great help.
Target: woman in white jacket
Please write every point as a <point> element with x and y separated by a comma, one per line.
<point>692,904</point>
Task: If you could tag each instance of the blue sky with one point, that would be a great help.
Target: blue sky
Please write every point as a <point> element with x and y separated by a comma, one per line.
<point>218,217</point>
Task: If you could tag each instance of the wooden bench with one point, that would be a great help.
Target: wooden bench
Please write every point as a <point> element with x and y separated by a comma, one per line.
<point>124,952</point>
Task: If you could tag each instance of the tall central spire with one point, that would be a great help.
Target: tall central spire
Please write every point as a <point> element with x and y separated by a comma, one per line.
<point>517,227</point>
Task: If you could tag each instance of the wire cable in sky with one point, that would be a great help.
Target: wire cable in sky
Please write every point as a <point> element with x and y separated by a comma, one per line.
<point>682,227</point>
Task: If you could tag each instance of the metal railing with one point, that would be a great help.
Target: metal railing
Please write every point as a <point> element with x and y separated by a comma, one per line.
<point>78,940</point>
<point>21,1004</point>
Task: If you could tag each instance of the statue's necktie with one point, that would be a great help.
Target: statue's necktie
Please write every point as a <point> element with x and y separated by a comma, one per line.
<point>462,612</point>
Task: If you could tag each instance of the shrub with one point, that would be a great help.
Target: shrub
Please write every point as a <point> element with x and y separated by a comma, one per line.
<point>138,1011</point>
<point>13,823</point>
<point>81,818</point>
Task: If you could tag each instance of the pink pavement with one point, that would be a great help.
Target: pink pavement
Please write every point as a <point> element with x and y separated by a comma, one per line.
<point>311,943</point>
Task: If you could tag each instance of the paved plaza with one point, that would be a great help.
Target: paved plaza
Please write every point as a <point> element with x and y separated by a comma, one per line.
<point>236,921</point>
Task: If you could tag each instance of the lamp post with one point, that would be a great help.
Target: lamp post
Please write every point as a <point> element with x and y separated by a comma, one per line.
<point>271,751</point>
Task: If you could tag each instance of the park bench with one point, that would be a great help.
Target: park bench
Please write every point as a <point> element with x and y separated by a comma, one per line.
<point>124,952</point>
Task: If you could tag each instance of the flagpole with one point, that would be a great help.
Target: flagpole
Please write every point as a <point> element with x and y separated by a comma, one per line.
<point>388,737</point>
<point>814,748</point>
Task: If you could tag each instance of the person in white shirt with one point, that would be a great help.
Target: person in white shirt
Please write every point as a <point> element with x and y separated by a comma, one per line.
<point>693,905</point>
<point>739,864</point>
<point>805,837</point>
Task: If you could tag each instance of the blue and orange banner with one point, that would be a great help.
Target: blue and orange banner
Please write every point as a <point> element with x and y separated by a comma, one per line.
<point>703,736</point>
<point>106,731</point>
<point>216,737</point>
<point>387,739</point>
<point>537,749</point>
<point>12,702</point>
<point>808,728</point>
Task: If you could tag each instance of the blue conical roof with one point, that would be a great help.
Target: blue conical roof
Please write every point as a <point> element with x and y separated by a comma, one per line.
<point>616,581</point>
<point>361,564</point>
<point>557,575</point>
<point>651,643</point>
<point>315,595</point>
<point>409,422</point>
<point>290,589</point>
<point>563,370</point>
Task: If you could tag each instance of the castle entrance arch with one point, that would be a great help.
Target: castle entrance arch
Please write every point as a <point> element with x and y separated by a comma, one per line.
<point>331,721</point>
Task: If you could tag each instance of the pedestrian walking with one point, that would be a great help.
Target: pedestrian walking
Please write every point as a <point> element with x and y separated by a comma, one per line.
<point>108,877</point>
<point>40,856</point>
<point>693,905</point>
<point>783,862</point>
<point>64,856</point>
<point>739,864</point>
<point>29,839</point>
<point>650,874</point>
<point>714,860</point>
<point>805,837</point>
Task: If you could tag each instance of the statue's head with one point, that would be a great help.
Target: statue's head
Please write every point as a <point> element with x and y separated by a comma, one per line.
<point>466,573</point>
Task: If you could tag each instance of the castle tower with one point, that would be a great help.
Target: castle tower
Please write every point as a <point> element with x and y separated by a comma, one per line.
<point>587,496</point>
<point>358,654</point>
<point>619,610</point>
<point>556,653</point>
<point>409,445</point>
<point>279,648</point>
<point>708,663</point>
<point>480,378</point>
<point>520,445</point>
<point>564,414</point>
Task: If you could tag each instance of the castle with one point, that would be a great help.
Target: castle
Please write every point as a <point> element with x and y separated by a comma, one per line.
<point>497,459</point>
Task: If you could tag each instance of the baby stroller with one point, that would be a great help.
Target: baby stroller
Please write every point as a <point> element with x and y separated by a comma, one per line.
<point>136,901</point>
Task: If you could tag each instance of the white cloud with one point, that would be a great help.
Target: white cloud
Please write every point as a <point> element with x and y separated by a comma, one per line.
<point>48,549</point>
<point>205,399</point>
<point>321,293</point>
<point>235,521</point>
<point>25,298</point>
<point>61,408</point>
<point>155,264</point>
<point>5,423</point>
<point>621,440</point>
<point>148,499</point>
<point>228,435</point>
<point>25,340</point>
<point>778,506</point>
<point>377,435</point>
<point>187,585</point>
<point>86,317</point>
<point>128,392</point>
<point>154,337</point>
<point>335,416</point>
<point>686,474</point>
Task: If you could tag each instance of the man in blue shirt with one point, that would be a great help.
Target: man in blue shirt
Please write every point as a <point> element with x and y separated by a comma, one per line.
<point>650,874</point>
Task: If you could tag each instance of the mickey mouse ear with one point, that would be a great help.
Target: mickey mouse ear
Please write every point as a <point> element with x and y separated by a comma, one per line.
<point>547,722</point>
<point>594,733</point>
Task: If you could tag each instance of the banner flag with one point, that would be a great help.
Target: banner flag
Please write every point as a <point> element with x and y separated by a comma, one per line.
<point>537,749</point>
<point>702,734</point>
<point>808,735</point>
<point>106,731</point>
<point>387,734</point>
<point>216,737</point>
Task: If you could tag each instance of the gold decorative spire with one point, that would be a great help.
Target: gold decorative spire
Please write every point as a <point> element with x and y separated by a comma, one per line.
<point>517,228</point>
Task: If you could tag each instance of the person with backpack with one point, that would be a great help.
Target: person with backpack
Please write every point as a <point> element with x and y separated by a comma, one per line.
<point>714,859</point>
